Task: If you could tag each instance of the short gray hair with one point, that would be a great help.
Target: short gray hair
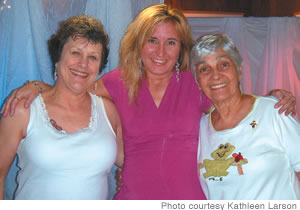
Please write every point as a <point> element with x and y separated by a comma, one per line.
<point>210,44</point>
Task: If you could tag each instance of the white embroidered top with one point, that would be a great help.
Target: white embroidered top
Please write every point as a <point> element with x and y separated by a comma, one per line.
<point>56,165</point>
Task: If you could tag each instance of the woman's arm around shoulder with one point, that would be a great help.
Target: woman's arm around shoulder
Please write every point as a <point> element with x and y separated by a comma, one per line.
<point>29,91</point>
<point>287,101</point>
<point>99,89</point>
<point>115,122</point>
<point>12,130</point>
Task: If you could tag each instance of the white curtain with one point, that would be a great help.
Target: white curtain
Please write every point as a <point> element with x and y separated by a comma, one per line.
<point>25,27</point>
<point>270,48</point>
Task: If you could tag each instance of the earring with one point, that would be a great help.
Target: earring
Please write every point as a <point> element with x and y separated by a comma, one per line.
<point>95,85</point>
<point>177,71</point>
<point>140,67</point>
<point>55,73</point>
<point>241,88</point>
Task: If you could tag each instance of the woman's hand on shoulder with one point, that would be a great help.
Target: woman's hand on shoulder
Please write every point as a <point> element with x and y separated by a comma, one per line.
<point>29,92</point>
<point>99,89</point>
<point>287,101</point>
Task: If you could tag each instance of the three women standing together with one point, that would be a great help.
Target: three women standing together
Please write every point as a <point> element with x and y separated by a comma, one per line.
<point>160,106</point>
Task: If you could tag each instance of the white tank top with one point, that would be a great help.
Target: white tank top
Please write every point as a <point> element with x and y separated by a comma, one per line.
<point>59,166</point>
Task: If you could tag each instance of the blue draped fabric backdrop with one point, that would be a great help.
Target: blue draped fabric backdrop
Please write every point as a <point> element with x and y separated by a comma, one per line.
<point>25,27</point>
<point>270,47</point>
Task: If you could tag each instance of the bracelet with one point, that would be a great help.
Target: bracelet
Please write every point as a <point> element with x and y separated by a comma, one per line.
<point>36,84</point>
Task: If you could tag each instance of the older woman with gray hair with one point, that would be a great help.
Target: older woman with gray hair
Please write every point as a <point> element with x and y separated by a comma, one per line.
<point>248,150</point>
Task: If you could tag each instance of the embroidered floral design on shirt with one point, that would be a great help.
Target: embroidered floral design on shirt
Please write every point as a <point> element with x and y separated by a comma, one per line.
<point>239,160</point>
<point>220,163</point>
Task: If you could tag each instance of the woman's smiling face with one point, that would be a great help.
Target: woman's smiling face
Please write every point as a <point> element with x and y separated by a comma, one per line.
<point>79,64</point>
<point>218,77</point>
<point>161,51</point>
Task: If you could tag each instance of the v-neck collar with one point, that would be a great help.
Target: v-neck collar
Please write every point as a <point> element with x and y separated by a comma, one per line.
<point>148,93</point>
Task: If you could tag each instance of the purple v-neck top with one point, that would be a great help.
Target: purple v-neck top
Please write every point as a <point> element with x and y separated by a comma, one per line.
<point>160,143</point>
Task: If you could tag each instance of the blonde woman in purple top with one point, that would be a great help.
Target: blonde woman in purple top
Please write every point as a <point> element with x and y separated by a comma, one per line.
<point>160,106</point>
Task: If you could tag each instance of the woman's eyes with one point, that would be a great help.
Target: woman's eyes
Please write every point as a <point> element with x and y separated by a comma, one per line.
<point>224,64</point>
<point>172,43</point>
<point>203,70</point>
<point>153,41</point>
<point>221,66</point>
<point>169,42</point>
<point>93,57</point>
<point>75,53</point>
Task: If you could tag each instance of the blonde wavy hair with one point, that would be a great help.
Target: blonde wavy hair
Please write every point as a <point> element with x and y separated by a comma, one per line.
<point>138,33</point>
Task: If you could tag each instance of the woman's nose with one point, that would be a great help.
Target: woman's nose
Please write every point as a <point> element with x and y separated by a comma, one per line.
<point>161,50</point>
<point>84,61</point>
<point>216,74</point>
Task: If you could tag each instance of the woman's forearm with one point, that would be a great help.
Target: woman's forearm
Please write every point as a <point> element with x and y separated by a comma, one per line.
<point>41,86</point>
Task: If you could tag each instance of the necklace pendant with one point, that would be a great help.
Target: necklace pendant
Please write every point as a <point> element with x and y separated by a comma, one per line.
<point>54,124</point>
